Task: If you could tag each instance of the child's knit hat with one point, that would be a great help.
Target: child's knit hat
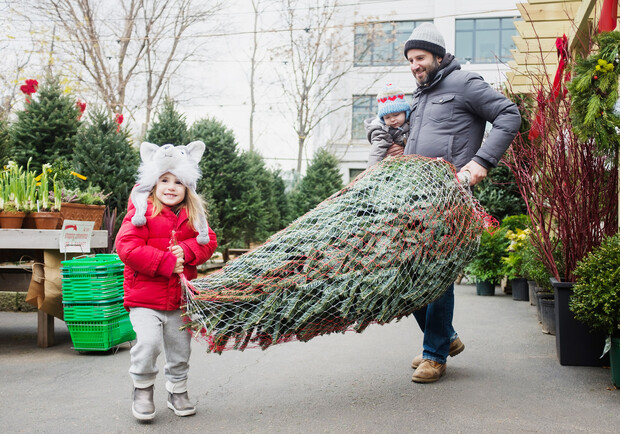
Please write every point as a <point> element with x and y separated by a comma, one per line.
<point>182,162</point>
<point>391,99</point>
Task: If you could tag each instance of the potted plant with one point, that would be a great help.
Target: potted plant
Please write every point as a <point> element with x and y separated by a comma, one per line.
<point>84,204</point>
<point>514,225</point>
<point>46,210</point>
<point>596,296</point>
<point>513,263</point>
<point>569,181</point>
<point>13,196</point>
<point>543,295</point>
<point>486,267</point>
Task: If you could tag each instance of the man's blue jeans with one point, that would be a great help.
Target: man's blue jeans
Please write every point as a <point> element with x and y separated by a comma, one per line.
<point>435,320</point>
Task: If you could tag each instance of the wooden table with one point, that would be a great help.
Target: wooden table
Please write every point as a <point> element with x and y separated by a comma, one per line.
<point>39,241</point>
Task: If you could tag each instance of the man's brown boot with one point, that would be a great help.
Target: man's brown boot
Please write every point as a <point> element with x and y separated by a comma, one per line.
<point>456,347</point>
<point>429,371</point>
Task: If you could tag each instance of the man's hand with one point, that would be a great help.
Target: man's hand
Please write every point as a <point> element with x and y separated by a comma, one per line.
<point>477,172</point>
<point>395,150</point>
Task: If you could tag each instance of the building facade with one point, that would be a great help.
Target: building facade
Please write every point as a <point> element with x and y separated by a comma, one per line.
<point>478,32</point>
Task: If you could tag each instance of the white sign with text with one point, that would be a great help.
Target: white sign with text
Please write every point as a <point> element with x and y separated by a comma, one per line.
<point>75,236</point>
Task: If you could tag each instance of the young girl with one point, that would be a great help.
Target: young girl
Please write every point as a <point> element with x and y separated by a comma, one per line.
<point>163,235</point>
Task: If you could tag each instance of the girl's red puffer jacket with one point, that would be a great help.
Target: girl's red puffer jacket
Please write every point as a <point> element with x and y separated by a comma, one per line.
<point>149,279</point>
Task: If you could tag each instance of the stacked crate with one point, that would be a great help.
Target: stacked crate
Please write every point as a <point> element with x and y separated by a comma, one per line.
<point>92,297</point>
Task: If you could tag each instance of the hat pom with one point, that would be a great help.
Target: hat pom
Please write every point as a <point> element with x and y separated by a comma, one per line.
<point>203,238</point>
<point>138,220</point>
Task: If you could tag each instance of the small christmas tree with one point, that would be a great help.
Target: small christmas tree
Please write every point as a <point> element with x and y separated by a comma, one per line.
<point>169,128</point>
<point>4,142</point>
<point>46,129</point>
<point>107,158</point>
<point>321,181</point>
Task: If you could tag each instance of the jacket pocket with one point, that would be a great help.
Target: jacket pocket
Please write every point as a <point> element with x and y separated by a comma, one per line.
<point>441,108</point>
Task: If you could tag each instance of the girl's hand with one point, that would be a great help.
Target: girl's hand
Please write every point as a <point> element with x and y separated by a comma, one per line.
<point>178,268</point>
<point>177,251</point>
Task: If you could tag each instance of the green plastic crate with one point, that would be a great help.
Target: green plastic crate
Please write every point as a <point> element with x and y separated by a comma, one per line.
<point>92,278</point>
<point>93,311</point>
<point>92,267</point>
<point>100,335</point>
<point>92,293</point>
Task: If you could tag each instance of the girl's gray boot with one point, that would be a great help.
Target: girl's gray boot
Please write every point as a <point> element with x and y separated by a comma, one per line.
<point>143,407</point>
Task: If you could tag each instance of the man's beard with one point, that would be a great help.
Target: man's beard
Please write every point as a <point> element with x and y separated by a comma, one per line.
<point>430,73</point>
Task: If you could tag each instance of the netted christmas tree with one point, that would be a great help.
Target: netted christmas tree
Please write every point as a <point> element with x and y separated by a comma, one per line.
<point>382,247</point>
<point>46,128</point>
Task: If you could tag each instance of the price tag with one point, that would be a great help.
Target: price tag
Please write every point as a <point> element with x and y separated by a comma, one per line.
<point>75,236</point>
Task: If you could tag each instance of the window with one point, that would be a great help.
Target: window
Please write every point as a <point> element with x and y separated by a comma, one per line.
<point>484,40</point>
<point>381,44</point>
<point>364,107</point>
<point>353,173</point>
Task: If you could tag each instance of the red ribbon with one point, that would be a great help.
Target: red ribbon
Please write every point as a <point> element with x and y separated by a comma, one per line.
<point>609,16</point>
<point>561,45</point>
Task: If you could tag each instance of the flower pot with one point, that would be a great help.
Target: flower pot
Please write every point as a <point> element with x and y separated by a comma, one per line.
<point>614,359</point>
<point>531,287</point>
<point>575,344</point>
<point>28,222</point>
<point>11,219</point>
<point>547,313</point>
<point>81,212</point>
<point>520,290</point>
<point>485,287</point>
<point>45,219</point>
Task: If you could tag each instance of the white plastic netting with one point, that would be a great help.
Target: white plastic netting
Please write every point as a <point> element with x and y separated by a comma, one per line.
<point>384,246</point>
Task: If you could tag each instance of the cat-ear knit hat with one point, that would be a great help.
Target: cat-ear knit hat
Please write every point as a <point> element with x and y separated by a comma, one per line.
<point>182,162</point>
<point>391,99</point>
<point>426,37</point>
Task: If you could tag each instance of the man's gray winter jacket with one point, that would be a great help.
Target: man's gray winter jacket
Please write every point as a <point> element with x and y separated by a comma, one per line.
<point>448,118</point>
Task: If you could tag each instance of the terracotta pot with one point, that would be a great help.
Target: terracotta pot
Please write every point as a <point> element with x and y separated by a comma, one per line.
<point>45,219</point>
<point>11,219</point>
<point>81,212</point>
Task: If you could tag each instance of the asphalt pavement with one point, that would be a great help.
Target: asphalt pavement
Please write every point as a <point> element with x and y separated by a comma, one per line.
<point>508,380</point>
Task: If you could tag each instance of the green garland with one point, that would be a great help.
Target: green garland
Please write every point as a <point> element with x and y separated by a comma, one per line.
<point>594,92</point>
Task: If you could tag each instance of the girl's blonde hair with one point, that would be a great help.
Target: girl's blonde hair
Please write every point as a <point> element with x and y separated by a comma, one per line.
<point>192,202</point>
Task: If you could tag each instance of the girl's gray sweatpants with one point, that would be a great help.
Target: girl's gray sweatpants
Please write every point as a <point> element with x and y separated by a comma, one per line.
<point>155,328</point>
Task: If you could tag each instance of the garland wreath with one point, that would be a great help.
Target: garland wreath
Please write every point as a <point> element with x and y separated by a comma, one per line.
<point>594,92</point>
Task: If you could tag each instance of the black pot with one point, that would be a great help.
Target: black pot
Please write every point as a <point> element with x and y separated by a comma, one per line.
<point>531,287</point>
<point>485,287</point>
<point>614,361</point>
<point>547,312</point>
<point>520,290</point>
<point>575,344</point>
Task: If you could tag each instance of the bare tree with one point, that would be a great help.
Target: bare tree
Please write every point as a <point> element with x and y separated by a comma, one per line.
<point>258,7</point>
<point>129,43</point>
<point>312,64</point>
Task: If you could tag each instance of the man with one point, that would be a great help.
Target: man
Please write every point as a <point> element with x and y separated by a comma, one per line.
<point>449,112</point>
